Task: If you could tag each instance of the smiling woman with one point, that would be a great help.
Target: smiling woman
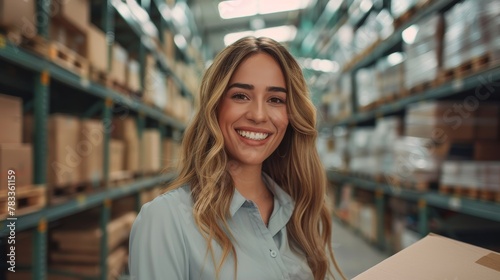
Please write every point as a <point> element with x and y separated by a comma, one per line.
<point>249,201</point>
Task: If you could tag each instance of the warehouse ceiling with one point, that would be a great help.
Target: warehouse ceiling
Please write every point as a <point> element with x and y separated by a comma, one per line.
<point>212,28</point>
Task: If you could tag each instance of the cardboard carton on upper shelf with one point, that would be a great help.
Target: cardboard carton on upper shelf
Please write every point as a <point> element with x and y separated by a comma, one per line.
<point>151,145</point>
<point>19,159</point>
<point>19,16</point>
<point>116,155</point>
<point>437,257</point>
<point>92,136</point>
<point>64,154</point>
<point>119,64</point>
<point>97,49</point>
<point>73,12</point>
<point>11,119</point>
<point>133,75</point>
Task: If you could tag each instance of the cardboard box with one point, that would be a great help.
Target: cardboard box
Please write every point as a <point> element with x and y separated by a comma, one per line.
<point>19,158</point>
<point>126,130</point>
<point>151,145</point>
<point>119,64</point>
<point>64,153</point>
<point>19,16</point>
<point>74,12</point>
<point>116,155</point>
<point>133,75</point>
<point>92,138</point>
<point>437,257</point>
<point>11,119</point>
<point>97,48</point>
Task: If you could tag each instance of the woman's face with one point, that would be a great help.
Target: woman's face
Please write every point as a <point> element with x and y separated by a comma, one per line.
<point>252,114</point>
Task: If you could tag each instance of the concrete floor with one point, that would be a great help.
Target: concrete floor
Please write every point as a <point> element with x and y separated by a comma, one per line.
<point>353,254</point>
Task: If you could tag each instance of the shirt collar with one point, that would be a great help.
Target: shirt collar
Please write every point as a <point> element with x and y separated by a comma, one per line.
<point>280,196</point>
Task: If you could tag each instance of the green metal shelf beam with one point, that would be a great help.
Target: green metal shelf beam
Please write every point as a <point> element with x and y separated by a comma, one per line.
<point>35,63</point>
<point>482,209</point>
<point>395,38</point>
<point>85,202</point>
<point>481,79</point>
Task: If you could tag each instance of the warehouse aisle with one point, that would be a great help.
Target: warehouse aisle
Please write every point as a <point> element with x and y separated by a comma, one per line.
<point>354,255</point>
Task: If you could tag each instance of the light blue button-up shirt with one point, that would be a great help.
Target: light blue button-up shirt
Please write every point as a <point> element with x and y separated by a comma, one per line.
<point>165,242</point>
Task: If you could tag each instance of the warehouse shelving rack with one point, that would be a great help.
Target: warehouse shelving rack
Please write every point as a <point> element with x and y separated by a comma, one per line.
<point>43,72</point>
<point>480,81</point>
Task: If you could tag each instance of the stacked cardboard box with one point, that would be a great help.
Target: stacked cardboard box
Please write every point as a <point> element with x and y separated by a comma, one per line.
<point>116,156</point>
<point>64,152</point>
<point>155,86</point>
<point>133,76</point>
<point>151,145</point>
<point>19,17</point>
<point>69,23</point>
<point>83,257</point>
<point>14,155</point>
<point>92,143</point>
<point>126,131</point>
<point>97,49</point>
<point>119,64</point>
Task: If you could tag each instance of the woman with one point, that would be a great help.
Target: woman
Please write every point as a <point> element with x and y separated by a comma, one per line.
<point>249,201</point>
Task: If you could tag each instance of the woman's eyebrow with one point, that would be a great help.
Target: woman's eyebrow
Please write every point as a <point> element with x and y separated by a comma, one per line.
<point>251,87</point>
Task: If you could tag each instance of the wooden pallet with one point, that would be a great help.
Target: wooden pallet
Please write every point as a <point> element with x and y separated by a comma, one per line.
<point>368,107</point>
<point>120,178</point>
<point>68,59</point>
<point>64,193</point>
<point>475,65</point>
<point>410,184</point>
<point>28,199</point>
<point>98,76</point>
<point>473,193</point>
<point>422,87</point>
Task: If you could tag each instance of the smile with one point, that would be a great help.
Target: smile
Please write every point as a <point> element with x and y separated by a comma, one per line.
<point>253,135</point>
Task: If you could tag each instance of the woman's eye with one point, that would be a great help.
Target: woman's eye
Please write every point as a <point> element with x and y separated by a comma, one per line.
<point>239,96</point>
<point>277,100</point>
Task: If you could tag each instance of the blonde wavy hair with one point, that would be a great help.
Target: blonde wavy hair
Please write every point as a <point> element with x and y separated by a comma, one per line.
<point>203,161</point>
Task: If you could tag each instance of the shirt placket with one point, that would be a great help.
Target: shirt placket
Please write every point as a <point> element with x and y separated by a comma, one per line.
<point>271,249</point>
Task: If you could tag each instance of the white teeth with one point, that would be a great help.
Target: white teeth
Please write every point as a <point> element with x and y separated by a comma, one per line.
<point>253,135</point>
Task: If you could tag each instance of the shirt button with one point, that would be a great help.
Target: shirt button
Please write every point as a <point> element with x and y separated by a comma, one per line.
<point>273,254</point>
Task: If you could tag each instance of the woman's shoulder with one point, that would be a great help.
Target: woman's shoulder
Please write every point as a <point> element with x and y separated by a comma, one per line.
<point>169,203</point>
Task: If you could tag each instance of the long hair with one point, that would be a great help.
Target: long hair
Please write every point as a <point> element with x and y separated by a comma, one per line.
<point>203,161</point>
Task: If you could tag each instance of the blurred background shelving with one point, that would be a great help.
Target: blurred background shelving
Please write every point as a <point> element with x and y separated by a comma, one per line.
<point>95,96</point>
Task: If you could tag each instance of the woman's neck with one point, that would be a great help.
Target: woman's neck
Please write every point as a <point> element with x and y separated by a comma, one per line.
<point>248,180</point>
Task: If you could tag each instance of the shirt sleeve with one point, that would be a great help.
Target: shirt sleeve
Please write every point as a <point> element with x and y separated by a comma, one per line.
<point>157,247</point>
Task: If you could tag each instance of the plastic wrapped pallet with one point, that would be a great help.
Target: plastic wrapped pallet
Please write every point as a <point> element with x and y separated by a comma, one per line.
<point>360,159</point>
<point>390,74</point>
<point>333,149</point>
<point>422,45</point>
<point>367,92</point>
<point>449,120</point>
<point>473,177</point>
<point>398,8</point>
<point>417,159</point>
<point>472,30</point>
<point>367,34</point>
<point>387,131</point>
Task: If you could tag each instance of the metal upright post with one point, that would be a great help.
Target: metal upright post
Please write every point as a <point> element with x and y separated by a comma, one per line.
<point>107,121</point>
<point>380,205</point>
<point>41,112</point>
<point>423,217</point>
<point>105,217</point>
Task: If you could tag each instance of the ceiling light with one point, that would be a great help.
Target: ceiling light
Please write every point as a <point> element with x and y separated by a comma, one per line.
<point>410,34</point>
<point>244,8</point>
<point>285,33</point>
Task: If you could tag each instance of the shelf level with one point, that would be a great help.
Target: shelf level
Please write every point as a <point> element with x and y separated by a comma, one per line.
<point>475,81</point>
<point>84,202</point>
<point>483,209</point>
<point>33,62</point>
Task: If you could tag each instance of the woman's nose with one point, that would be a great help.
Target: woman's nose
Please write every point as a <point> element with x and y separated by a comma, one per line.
<point>257,112</point>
